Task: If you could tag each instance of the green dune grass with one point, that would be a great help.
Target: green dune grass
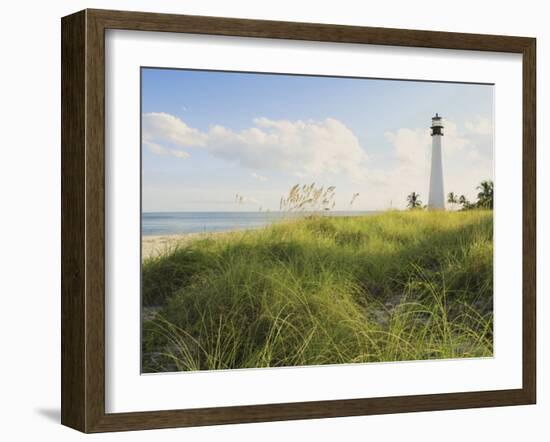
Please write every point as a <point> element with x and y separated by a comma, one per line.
<point>324,290</point>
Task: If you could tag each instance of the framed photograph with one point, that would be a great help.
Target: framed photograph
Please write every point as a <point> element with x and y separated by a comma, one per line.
<point>269,220</point>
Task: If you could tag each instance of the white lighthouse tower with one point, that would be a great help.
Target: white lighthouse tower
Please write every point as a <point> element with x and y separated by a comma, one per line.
<point>437,194</point>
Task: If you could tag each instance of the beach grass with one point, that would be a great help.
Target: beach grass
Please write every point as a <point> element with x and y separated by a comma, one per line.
<point>395,286</point>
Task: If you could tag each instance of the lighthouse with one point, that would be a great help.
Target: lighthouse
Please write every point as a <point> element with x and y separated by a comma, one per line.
<point>437,195</point>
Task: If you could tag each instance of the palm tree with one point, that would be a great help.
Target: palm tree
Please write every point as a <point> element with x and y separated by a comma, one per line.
<point>464,202</point>
<point>413,201</point>
<point>485,195</point>
<point>451,199</point>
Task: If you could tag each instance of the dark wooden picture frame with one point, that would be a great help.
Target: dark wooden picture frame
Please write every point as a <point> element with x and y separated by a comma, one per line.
<point>83,220</point>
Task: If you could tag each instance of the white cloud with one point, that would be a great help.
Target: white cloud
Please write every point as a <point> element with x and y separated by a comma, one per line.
<point>155,148</point>
<point>160,150</point>
<point>309,148</point>
<point>412,145</point>
<point>480,126</point>
<point>258,177</point>
<point>250,200</point>
<point>473,154</point>
<point>162,128</point>
<point>242,199</point>
<point>179,153</point>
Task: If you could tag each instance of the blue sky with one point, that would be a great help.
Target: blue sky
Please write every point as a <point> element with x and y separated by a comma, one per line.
<point>209,135</point>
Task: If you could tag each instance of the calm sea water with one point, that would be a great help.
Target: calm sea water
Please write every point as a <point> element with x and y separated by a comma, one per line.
<point>168,223</point>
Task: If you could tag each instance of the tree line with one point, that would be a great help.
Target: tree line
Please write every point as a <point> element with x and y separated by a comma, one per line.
<point>484,198</point>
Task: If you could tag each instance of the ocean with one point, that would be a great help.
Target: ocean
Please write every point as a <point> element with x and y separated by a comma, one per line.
<point>170,223</point>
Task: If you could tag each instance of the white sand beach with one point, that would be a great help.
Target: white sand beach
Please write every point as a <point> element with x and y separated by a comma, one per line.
<point>155,245</point>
